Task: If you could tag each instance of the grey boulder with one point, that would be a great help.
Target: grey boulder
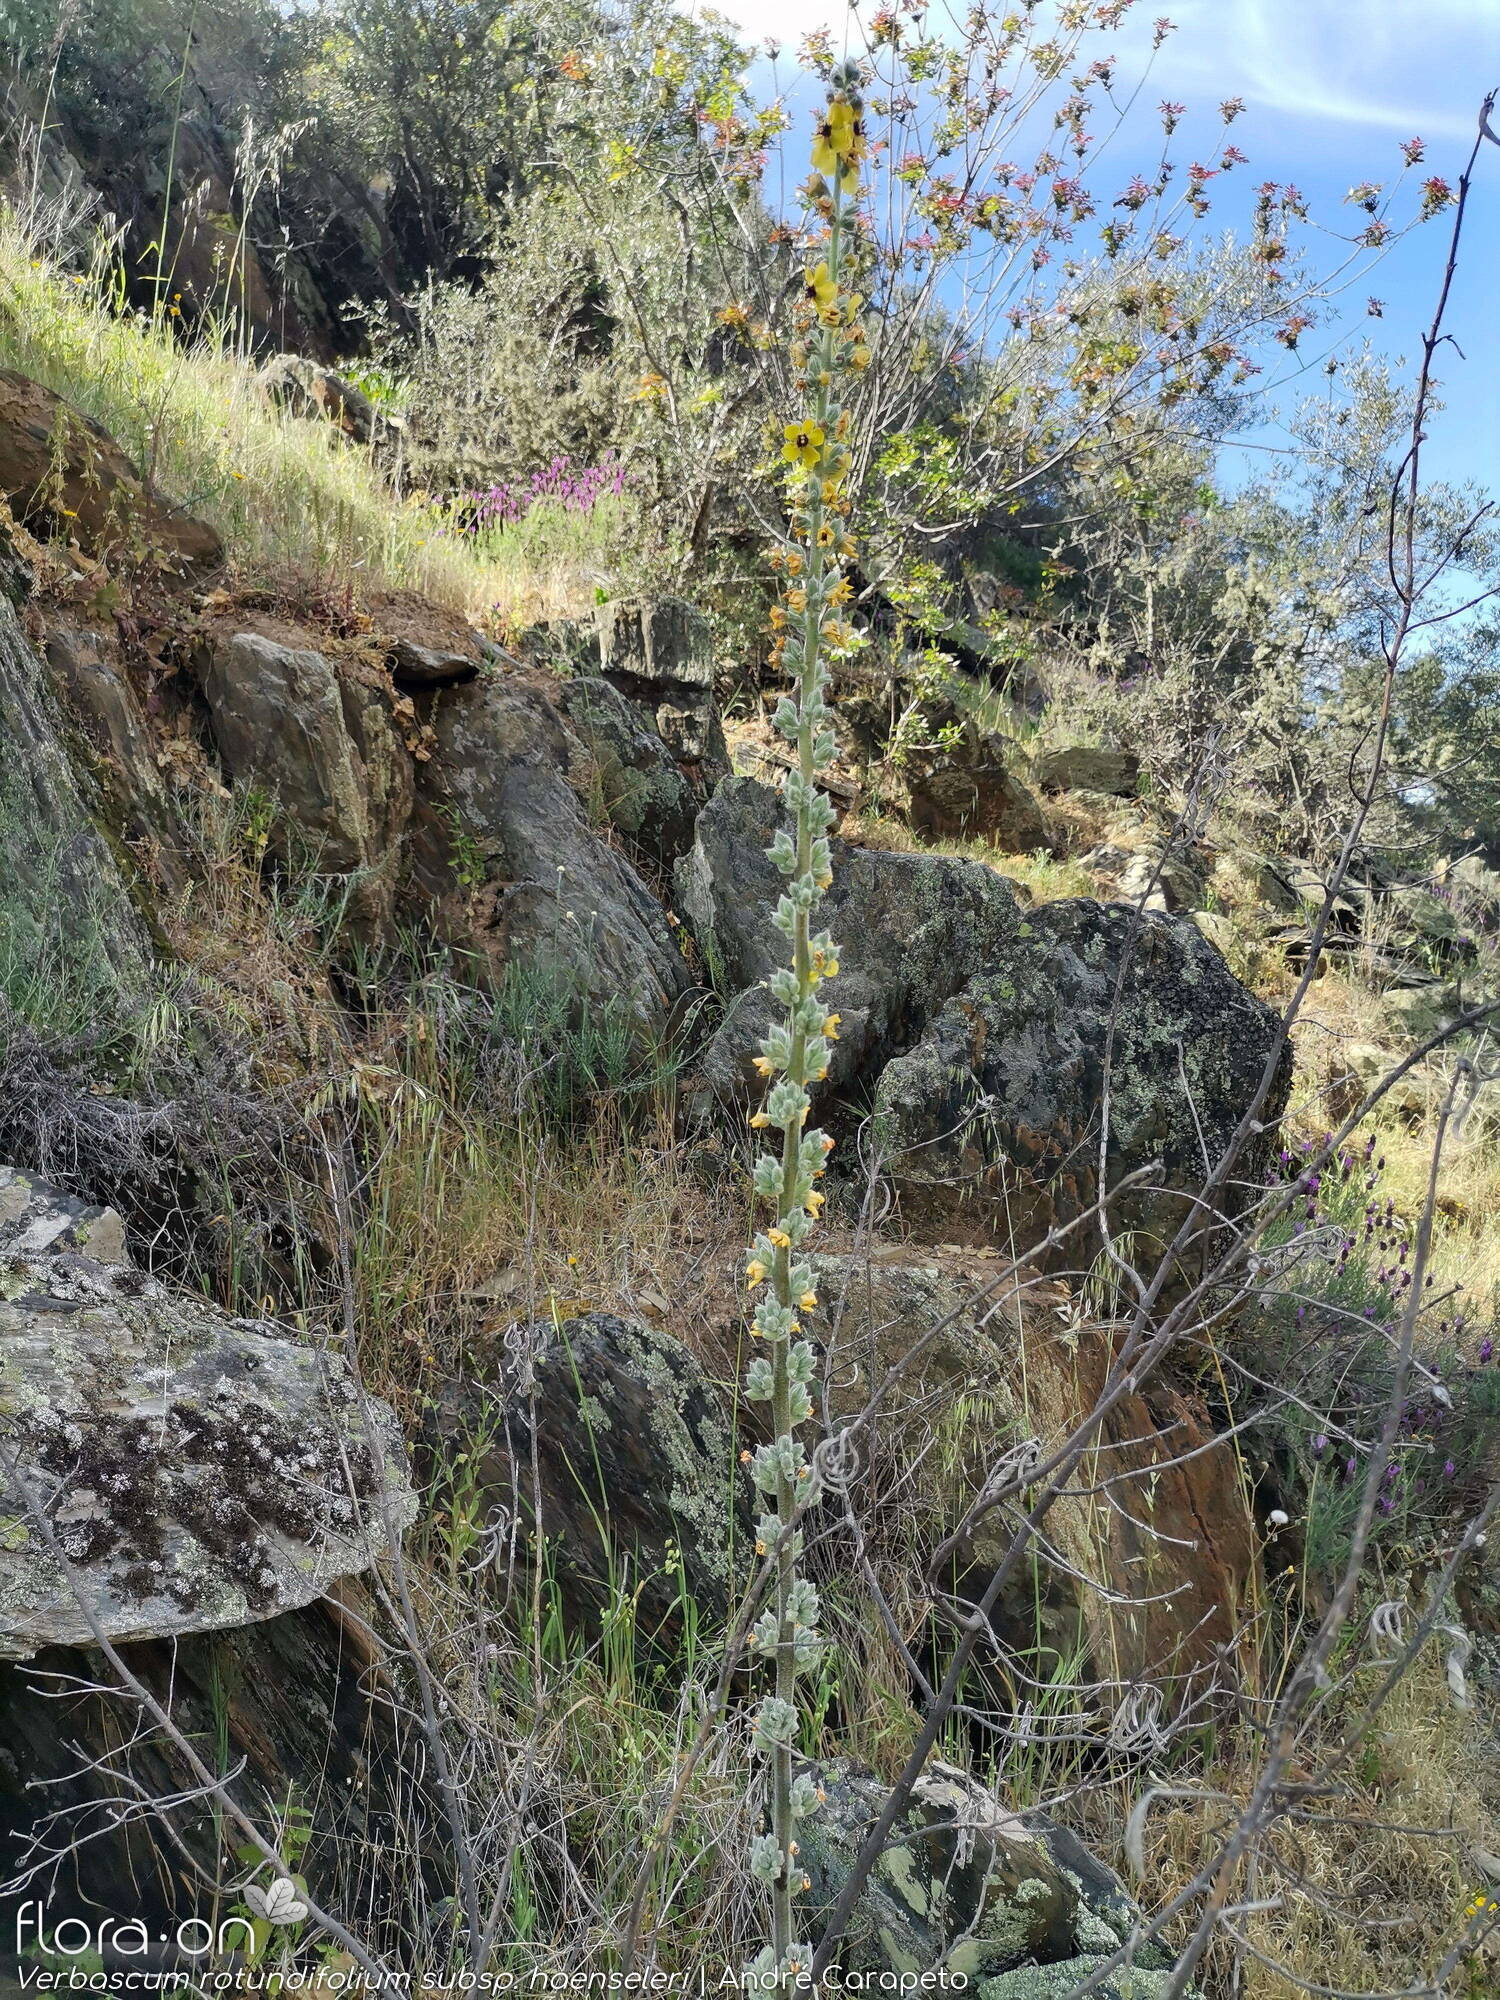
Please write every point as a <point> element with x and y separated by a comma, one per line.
<point>1093,1004</point>
<point>1083,767</point>
<point>634,1456</point>
<point>641,788</point>
<point>324,750</point>
<point>192,1471</point>
<point>504,842</point>
<point>912,928</point>
<point>36,1217</point>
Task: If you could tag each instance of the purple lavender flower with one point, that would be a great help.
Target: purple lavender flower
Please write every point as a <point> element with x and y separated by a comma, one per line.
<point>1320,1444</point>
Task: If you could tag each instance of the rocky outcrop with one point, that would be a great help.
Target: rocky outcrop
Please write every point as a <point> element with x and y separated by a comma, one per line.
<point>967,792</point>
<point>658,652</point>
<point>1085,767</point>
<point>984,1368</point>
<point>324,749</point>
<point>66,921</point>
<point>642,789</point>
<point>307,389</point>
<point>635,1474</point>
<point>1106,1040</point>
<point>174,1469</point>
<point>964,1885</point>
<point>36,1218</point>
<point>503,839</point>
<point>298,1707</point>
<point>915,928</point>
<point>121,751</point>
<point>64,474</point>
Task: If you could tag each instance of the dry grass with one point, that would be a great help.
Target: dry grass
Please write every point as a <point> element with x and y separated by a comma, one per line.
<point>1372,1881</point>
<point>1345,1040</point>
<point>1041,877</point>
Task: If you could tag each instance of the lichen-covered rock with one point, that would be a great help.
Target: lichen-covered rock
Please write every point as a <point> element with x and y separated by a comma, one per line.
<point>1013,1905</point>
<point>61,471</point>
<point>36,1217</point>
<point>1062,1980</point>
<point>1095,1004</point>
<point>503,841</point>
<point>913,929</point>
<point>195,1471</point>
<point>641,787</point>
<point>961,1883</point>
<point>635,1463</point>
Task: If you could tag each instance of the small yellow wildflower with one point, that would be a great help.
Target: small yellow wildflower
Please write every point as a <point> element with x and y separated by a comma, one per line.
<point>756,1273</point>
<point>804,445</point>
<point>821,289</point>
<point>780,1238</point>
<point>765,1065</point>
<point>814,1202</point>
<point>830,1028</point>
<point>807,1302</point>
<point>760,1121</point>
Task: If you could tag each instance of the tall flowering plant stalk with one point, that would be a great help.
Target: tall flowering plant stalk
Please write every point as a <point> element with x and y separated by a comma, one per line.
<point>795,1053</point>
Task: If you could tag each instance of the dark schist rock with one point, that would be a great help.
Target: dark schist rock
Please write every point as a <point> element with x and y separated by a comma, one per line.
<point>64,905</point>
<point>658,652</point>
<point>97,693</point>
<point>912,930</point>
<point>1086,767</point>
<point>503,844</point>
<point>635,1461</point>
<point>323,745</point>
<point>641,788</point>
<point>298,1707</point>
<point>968,792</point>
<point>1090,1004</point>
<point>416,666</point>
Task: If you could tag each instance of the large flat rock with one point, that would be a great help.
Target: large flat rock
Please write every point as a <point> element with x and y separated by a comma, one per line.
<point>193,1471</point>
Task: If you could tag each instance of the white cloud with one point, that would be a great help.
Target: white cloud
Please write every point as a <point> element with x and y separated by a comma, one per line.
<point>1402,66</point>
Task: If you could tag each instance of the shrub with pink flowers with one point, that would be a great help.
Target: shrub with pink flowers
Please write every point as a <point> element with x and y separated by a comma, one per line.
<point>576,491</point>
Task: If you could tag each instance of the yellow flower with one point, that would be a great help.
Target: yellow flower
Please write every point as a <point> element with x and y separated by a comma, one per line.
<point>814,1202</point>
<point>821,288</point>
<point>756,1273</point>
<point>807,1302</point>
<point>760,1121</point>
<point>780,1238</point>
<point>859,358</point>
<point>804,445</point>
<point>831,1027</point>
<point>840,139</point>
<point>765,1065</point>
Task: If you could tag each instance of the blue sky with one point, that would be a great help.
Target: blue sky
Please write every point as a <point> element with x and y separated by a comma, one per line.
<point>1331,88</point>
